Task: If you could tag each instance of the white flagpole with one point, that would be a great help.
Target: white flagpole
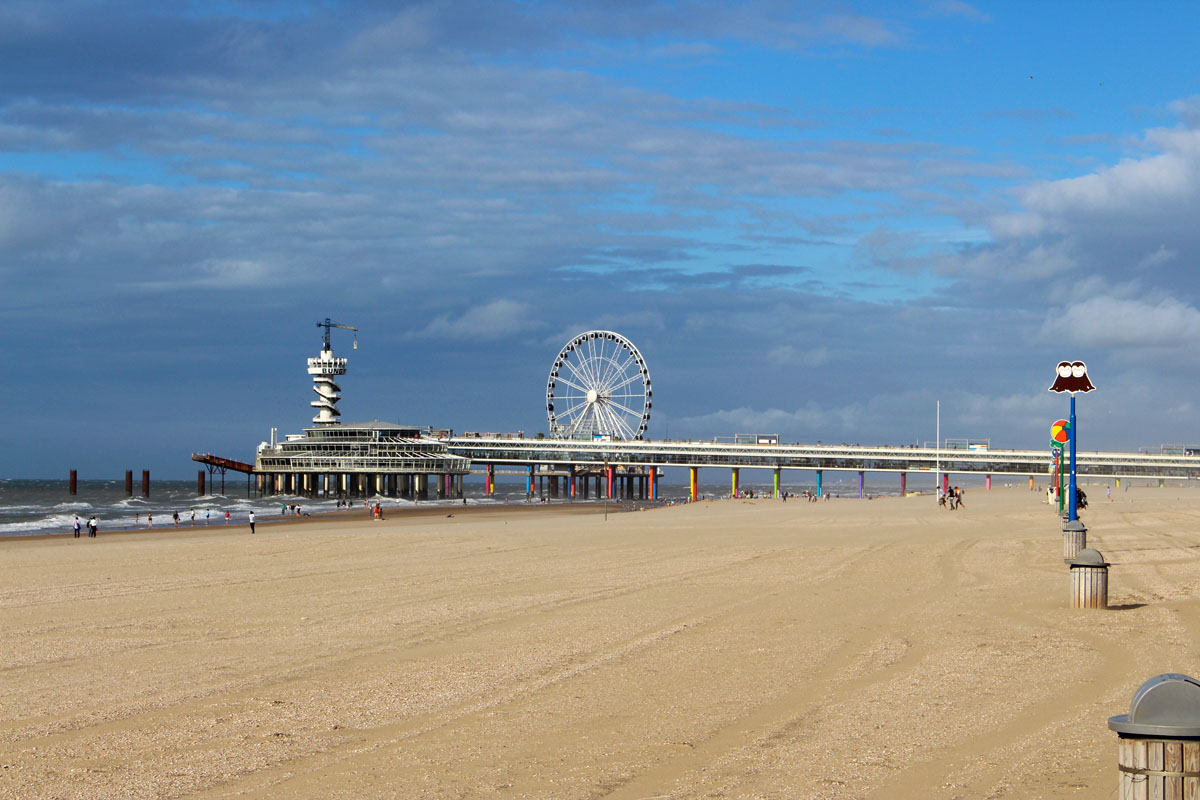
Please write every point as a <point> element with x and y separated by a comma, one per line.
<point>937,475</point>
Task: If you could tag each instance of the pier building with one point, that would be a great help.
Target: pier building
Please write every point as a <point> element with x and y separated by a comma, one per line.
<point>362,459</point>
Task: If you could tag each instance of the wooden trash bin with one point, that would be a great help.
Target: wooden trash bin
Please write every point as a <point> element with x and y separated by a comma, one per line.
<point>1158,753</point>
<point>1089,580</point>
<point>1074,539</point>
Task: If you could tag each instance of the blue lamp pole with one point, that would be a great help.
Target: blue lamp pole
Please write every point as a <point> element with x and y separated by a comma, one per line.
<point>1072,514</point>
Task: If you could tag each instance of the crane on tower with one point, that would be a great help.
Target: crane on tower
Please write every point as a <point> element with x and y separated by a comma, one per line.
<point>328,324</point>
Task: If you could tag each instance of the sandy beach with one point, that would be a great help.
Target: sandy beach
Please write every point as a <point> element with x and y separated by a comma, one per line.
<point>724,649</point>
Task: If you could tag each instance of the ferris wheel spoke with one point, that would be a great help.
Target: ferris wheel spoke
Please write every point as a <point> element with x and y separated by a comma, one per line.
<point>626,382</point>
<point>572,384</point>
<point>626,431</point>
<point>611,371</point>
<point>590,363</point>
<point>624,408</point>
<point>571,410</point>
<point>578,374</point>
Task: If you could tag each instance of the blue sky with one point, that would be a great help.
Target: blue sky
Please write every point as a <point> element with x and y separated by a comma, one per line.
<point>815,219</point>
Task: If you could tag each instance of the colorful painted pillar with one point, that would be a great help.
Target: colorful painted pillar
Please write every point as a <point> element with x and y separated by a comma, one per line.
<point>820,492</point>
<point>1031,483</point>
<point>491,480</point>
<point>861,484</point>
<point>777,471</point>
<point>946,482</point>
<point>989,483</point>
<point>1161,483</point>
<point>529,480</point>
<point>654,483</point>
<point>733,492</point>
<point>571,488</point>
<point>1118,483</point>
<point>694,482</point>
<point>609,477</point>
<point>904,484</point>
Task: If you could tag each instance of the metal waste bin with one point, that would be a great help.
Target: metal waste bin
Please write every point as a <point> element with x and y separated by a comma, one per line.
<point>1089,579</point>
<point>1158,752</point>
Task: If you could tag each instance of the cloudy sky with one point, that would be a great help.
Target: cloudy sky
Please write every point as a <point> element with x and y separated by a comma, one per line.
<point>813,219</point>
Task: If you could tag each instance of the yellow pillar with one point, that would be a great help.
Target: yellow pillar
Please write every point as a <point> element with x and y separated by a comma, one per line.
<point>694,483</point>
<point>734,473</point>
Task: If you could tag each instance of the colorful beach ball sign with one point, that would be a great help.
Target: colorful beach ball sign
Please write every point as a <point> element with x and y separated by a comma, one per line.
<point>1060,432</point>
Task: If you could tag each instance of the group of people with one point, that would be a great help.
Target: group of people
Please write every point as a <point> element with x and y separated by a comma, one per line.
<point>93,527</point>
<point>952,497</point>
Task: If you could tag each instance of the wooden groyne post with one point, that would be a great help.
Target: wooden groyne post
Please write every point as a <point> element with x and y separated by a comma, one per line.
<point>73,483</point>
<point>1158,749</point>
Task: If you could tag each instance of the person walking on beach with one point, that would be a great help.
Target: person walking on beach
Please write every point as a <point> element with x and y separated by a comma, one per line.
<point>252,522</point>
<point>93,527</point>
<point>958,497</point>
<point>78,525</point>
<point>175,517</point>
<point>226,517</point>
<point>206,513</point>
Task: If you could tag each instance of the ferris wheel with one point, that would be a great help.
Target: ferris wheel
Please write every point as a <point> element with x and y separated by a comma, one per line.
<point>599,386</point>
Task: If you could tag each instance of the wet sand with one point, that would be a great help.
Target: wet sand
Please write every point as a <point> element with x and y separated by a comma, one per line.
<point>733,649</point>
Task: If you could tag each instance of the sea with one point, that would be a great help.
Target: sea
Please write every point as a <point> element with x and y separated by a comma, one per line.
<point>31,507</point>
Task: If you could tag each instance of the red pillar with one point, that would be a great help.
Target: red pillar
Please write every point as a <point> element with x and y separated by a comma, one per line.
<point>946,482</point>
<point>904,484</point>
<point>989,483</point>
<point>609,477</point>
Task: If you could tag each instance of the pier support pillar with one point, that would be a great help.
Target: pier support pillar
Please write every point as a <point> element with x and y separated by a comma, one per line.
<point>777,472</point>
<point>490,480</point>
<point>693,482</point>
<point>820,492</point>
<point>1031,483</point>
<point>200,483</point>
<point>145,483</point>
<point>989,483</point>
<point>611,489</point>
<point>733,480</point>
<point>946,482</point>
<point>529,481</point>
<point>1161,483</point>
<point>1118,483</point>
<point>652,489</point>
<point>571,484</point>
<point>554,486</point>
<point>861,484</point>
<point>129,483</point>
<point>904,484</point>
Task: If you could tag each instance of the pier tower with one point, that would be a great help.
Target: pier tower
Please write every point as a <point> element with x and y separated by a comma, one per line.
<point>323,368</point>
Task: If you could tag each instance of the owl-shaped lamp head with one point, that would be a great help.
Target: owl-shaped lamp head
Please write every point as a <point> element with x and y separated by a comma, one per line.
<point>1071,376</point>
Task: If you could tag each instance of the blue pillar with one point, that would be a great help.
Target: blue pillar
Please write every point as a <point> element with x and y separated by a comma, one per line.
<point>529,480</point>
<point>1072,516</point>
<point>819,492</point>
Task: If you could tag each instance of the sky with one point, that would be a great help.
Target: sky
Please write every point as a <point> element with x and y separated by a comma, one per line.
<point>818,220</point>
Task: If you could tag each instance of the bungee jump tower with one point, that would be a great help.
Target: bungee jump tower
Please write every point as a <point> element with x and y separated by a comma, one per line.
<point>335,459</point>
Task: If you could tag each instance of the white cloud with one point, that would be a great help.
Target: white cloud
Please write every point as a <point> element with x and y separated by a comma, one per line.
<point>498,318</point>
<point>1118,323</point>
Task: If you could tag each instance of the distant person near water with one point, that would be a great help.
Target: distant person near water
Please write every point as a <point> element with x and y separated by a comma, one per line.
<point>252,522</point>
<point>175,518</point>
<point>93,526</point>
<point>78,526</point>
<point>226,517</point>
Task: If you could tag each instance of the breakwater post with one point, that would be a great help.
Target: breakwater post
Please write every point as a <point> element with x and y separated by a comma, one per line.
<point>199,483</point>
<point>145,483</point>
<point>73,483</point>
<point>129,483</point>
<point>1158,749</point>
